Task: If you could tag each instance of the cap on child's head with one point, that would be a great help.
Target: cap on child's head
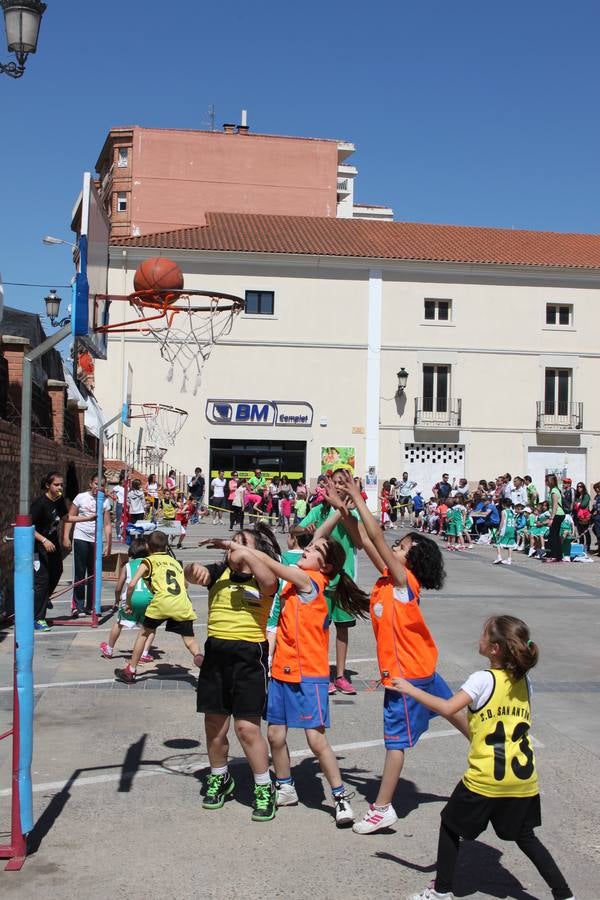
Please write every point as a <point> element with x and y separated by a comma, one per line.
<point>567,481</point>
<point>527,509</point>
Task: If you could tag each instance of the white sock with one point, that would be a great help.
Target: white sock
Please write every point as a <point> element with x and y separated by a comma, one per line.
<point>265,778</point>
<point>219,770</point>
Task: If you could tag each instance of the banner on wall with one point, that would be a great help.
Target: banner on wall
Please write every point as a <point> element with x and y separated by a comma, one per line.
<point>337,458</point>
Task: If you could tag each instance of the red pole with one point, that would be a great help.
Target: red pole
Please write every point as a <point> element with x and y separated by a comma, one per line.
<point>16,851</point>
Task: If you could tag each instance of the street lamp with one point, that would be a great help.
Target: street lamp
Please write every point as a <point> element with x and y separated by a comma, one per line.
<point>402,379</point>
<point>22,19</point>
<point>53,302</point>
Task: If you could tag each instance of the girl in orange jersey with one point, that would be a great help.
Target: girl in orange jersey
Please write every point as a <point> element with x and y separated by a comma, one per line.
<point>299,686</point>
<point>405,648</point>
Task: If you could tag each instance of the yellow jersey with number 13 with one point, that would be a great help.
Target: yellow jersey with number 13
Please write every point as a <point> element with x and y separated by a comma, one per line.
<point>166,581</point>
<point>501,758</point>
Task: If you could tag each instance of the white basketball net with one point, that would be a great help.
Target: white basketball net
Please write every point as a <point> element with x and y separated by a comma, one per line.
<point>163,424</point>
<point>188,342</point>
<point>153,456</point>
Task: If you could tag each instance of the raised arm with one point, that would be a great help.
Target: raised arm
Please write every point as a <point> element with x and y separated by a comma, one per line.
<point>264,567</point>
<point>373,530</point>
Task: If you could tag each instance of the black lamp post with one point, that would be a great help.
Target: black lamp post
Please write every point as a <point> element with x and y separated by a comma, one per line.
<point>402,379</point>
<point>53,301</point>
<point>22,19</point>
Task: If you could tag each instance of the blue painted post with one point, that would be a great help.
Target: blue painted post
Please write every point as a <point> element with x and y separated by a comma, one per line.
<point>100,497</point>
<point>23,585</point>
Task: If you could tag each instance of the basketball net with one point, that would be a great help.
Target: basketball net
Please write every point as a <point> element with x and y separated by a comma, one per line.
<point>162,425</point>
<point>187,345</point>
<point>153,456</point>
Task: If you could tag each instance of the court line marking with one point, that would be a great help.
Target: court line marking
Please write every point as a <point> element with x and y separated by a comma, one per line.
<point>149,772</point>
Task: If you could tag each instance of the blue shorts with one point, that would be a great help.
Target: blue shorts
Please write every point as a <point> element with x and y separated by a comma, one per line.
<point>405,719</point>
<point>298,705</point>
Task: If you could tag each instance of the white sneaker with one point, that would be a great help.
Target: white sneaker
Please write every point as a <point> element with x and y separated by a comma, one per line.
<point>507,562</point>
<point>532,552</point>
<point>375,819</point>
<point>430,894</point>
<point>497,562</point>
<point>286,794</point>
<point>344,817</point>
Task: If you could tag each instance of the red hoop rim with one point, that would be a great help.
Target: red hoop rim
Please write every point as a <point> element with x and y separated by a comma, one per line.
<point>162,303</point>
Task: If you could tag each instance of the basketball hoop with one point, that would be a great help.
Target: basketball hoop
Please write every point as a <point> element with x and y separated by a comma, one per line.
<point>187,344</point>
<point>153,456</point>
<point>162,425</point>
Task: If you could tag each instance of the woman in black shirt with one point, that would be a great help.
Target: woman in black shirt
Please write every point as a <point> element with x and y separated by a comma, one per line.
<point>47,511</point>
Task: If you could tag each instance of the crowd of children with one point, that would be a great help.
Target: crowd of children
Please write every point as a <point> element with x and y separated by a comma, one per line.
<point>266,655</point>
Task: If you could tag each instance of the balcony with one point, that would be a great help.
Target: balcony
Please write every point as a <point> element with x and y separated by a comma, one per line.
<point>437,412</point>
<point>342,186</point>
<point>558,415</point>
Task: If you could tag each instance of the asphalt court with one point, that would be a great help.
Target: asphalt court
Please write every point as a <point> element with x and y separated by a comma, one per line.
<point>117,769</point>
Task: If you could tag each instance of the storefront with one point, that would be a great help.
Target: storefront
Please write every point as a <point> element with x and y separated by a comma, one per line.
<point>273,458</point>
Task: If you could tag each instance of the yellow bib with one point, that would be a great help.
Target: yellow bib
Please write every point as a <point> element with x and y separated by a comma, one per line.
<point>501,759</point>
<point>237,611</point>
<point>167,583</point>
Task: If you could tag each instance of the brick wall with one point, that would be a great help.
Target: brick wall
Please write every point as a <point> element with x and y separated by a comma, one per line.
<point>48,417</point>
<point>45,456</point>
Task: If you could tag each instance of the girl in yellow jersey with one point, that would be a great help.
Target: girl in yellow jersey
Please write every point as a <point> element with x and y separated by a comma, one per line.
<point>170,603</point>
<point>500,785</point>
<point>233,677</point>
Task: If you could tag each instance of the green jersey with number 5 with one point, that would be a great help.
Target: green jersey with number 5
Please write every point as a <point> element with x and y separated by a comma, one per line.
<point>166,581</point>
<point>501,758</point>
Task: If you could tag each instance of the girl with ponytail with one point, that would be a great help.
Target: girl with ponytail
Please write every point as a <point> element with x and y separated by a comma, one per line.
<point>299,688</point>
<point>500,785</point>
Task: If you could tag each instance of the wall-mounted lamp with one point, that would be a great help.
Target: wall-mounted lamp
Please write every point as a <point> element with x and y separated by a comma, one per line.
<point>402,379</point>
<point>53,302</point>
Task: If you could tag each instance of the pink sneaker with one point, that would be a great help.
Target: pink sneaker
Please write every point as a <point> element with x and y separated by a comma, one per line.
<point>146,658</point>
<point>105,650</point>
<point>332,688</point>
<point>343,685</point>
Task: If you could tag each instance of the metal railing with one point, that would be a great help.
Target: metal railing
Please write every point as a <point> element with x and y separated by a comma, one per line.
<point>438,412</point>
<point>558,415</point>
<point>342,186</point>
<point>125,451</point>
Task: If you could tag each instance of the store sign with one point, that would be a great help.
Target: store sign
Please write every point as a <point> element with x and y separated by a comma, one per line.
<point>259,412</point>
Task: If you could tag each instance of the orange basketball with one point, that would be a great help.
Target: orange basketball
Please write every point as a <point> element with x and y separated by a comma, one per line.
<point>158,274</point>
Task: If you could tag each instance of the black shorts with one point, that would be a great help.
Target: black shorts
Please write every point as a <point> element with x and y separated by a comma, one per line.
<point>183,627</point>
<point>218,502</point>
<point>233,678</point>
<point>469,814</point>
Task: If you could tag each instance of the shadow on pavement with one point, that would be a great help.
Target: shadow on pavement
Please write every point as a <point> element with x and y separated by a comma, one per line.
<point>479,869</point>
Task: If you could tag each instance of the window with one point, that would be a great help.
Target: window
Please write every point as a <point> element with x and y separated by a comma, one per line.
<point>437,310</point>
<point>436,384</point>
<point>259,303</point>
<point>121,201</point>
<point>557,392</point>
<point>559,314</point>
<point>122,157</point>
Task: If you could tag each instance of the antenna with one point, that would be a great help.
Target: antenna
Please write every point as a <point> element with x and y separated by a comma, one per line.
<point>211,117</point>
<point>244,121</point>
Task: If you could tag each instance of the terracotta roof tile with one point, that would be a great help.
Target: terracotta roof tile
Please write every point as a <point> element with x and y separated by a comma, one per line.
<point>362,238</point>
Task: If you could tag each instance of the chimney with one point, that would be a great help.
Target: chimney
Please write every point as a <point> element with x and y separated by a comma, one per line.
<point>56,390</point>
<point>229,128</point>
<point>243,127</point>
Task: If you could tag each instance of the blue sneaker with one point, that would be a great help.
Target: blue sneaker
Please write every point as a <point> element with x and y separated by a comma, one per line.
<point>41,625</point>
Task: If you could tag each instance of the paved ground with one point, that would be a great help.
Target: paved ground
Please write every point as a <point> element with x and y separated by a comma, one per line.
<point>117,769</point>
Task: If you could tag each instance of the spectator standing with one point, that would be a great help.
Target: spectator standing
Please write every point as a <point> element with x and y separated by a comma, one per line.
<point>47,512</point>
<point>118,496</point>
<point>557,515</point>
<point>596,515</point>
<point>533,496</point>
<point>519,492</point>
<point>232,486</point>
<point>171,480</point>
<point>83,514</point>
<point>257,482</point>
<point>582,515</point>
<point>568,495</point>
<point>217,499</point>
<point>404,490</point>
<point>196,486</point>
<point>443,488</point>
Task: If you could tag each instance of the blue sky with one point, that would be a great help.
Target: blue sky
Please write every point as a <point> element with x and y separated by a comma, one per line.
<point>466,112</point>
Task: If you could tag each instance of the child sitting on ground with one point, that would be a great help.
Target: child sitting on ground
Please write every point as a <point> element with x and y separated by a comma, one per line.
<point>140,599</point>
<point>170,603</point>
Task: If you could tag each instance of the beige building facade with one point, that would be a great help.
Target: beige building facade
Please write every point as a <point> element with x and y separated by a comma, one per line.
<point>502,358</point>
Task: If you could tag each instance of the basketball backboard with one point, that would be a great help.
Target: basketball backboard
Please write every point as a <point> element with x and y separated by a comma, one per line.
<point>127,394</point>
<point>92,226</point>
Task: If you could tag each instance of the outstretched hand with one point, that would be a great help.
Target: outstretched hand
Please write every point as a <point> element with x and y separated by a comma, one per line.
<point>215,543</point>
<point>347,486</point>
